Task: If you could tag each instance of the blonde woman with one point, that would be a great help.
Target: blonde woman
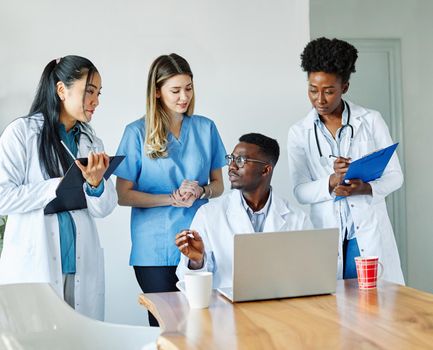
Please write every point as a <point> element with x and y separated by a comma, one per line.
<point>172,167</point>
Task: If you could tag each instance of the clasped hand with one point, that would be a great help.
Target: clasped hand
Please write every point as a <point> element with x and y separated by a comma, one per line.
<point>186,194</point>
<point>97,165</point>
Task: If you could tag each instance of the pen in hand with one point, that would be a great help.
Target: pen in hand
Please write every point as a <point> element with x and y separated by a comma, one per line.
<point>67,149</point>
<point>334,156</point>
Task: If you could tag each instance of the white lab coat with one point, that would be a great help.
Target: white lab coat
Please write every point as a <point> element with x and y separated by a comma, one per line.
<point>31,250</point>
<point>221,218</point>
<point>310,180</point>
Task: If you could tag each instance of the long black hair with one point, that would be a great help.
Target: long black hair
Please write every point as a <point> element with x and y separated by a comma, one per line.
<point>67,69</point>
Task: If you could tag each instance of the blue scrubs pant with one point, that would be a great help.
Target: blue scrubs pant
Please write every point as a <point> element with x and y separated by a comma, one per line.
<point>350,251</point>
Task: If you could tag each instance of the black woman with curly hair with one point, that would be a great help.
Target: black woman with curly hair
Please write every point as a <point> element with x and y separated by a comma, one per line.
<point>320,149</point>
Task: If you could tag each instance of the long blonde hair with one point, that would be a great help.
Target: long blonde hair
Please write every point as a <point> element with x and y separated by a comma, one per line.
<point>157,120</point>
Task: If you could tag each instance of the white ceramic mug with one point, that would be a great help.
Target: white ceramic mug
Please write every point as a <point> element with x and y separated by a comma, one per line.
<point>197,287</point>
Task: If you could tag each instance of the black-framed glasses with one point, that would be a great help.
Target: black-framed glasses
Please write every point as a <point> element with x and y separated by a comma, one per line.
<point>241,160</point>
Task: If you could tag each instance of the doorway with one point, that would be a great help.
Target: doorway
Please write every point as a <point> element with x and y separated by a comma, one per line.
<point>377,84</point>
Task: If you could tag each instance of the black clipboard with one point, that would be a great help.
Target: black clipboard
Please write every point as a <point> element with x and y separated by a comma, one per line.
<point>70,194</point>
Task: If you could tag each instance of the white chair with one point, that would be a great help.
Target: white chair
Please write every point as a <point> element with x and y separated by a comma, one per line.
<point>33,317</point>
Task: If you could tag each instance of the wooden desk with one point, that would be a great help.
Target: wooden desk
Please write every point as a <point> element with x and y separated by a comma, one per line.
<point>390,317</point>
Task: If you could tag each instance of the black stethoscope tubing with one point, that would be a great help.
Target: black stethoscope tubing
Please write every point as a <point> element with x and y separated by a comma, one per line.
<point>347,125</point>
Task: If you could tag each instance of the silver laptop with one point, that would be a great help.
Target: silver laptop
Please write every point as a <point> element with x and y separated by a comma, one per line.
<point>276,265</point>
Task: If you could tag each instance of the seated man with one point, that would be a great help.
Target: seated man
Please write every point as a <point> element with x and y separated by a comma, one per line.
<point>250,207</point>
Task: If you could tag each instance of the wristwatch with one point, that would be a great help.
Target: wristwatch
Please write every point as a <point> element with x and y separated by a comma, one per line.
<point>203,195</point>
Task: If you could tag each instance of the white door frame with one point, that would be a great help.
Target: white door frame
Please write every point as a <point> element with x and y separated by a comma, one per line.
<point>396,202</point>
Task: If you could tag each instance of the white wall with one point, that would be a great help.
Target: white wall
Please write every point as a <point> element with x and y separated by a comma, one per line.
<point>411,22</point>
<point>244,55</point>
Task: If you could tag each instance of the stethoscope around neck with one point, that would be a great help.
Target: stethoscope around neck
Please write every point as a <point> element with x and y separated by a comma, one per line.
<point>90,137</point>
<point>323,160</point>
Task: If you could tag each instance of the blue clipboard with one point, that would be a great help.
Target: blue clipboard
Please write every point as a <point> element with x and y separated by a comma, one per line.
<point>369,167</point>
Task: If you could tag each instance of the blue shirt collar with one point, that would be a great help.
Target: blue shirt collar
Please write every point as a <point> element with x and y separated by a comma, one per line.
<point>265,208</point>
<point>73,132</point>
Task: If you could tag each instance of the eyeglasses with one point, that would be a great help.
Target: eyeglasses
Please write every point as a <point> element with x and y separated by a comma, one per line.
<point>241,160</point>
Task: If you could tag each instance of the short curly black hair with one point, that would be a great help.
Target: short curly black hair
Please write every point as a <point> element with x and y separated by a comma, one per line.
<point>330,56</point>
<point>268,146</point>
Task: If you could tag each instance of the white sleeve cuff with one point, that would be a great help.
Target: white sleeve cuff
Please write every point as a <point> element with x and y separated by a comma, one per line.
<point>203,268</point>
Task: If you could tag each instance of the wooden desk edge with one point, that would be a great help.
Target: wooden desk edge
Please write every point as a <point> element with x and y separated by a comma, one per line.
<point>162,342</point>
<point>142,300</point>
<point>346,290</point>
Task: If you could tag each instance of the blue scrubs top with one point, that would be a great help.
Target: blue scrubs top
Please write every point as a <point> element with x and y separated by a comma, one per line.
<point>197,151</point>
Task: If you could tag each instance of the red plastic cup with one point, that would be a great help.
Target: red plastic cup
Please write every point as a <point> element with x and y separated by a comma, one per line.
<point>366,268</point>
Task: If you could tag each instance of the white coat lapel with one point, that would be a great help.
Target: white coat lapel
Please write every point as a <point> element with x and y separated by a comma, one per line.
<point>356,112</point>
<point>275,221</point>
<point>237,216</point>
<point>85,146</point>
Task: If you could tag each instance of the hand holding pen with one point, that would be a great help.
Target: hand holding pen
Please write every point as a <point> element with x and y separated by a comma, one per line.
<point>342,187</point>
<point>341,165</point>
<point>97,164</point>
<point>190,244</point>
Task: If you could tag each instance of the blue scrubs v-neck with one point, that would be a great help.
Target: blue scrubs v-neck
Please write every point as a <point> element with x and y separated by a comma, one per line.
<point>198,151</point>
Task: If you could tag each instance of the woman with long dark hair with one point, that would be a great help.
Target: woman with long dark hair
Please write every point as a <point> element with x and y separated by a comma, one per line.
<point>61,249</point>
<point>172,167</point>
